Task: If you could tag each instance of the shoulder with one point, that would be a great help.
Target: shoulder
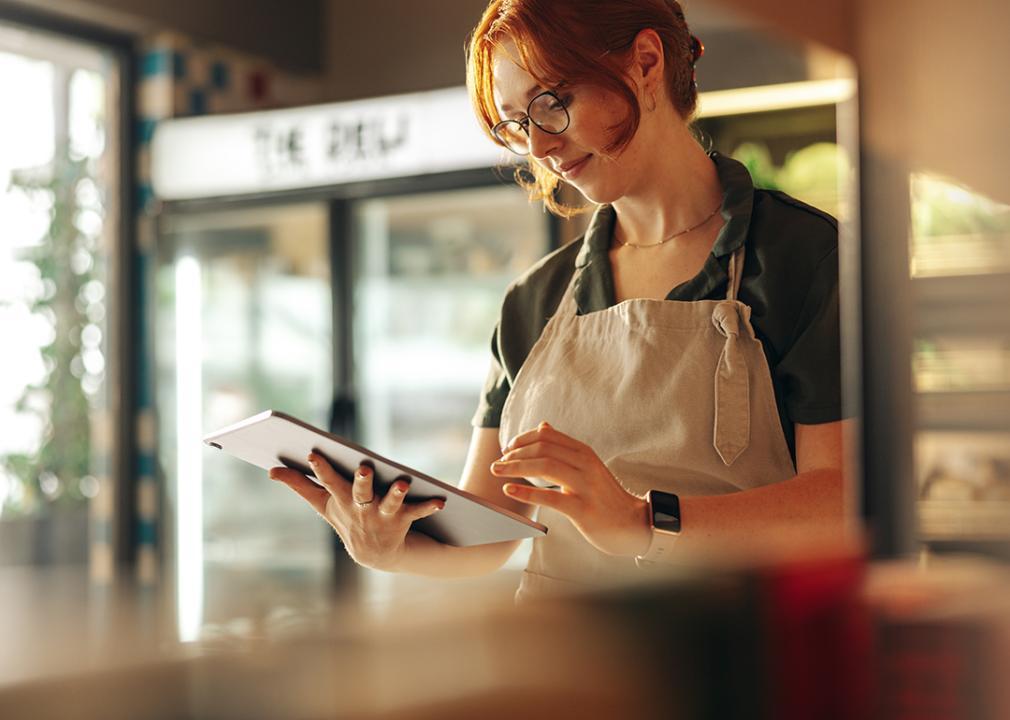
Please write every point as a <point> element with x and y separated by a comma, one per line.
<point>791,266</point>
<point>783,224</point>
<point>534,295</point>
<point>530,300</point>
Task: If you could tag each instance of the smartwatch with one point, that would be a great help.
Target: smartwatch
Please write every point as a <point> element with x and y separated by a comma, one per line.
<point>664,511</point>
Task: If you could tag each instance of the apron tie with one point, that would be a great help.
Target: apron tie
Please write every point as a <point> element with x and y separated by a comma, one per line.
<point>731,434</point>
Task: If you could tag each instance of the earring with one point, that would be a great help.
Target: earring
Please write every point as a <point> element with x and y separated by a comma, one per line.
<point>652,106</point>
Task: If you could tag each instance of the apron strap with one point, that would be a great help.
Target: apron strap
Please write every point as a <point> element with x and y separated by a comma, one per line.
<point>731,430</point>
<point>567,306</point>
<point>735,273</point>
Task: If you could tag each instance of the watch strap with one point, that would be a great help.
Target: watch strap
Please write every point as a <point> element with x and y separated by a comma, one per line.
<point>664,511</point>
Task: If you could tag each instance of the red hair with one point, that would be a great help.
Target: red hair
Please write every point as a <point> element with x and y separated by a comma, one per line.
<point>579,41</point>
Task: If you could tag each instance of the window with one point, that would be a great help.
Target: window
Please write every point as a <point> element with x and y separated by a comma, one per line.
<point>59,189</point>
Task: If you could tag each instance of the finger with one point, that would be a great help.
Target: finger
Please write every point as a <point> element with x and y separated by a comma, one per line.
<point>423,510</point>
<point>555,499</point>
<point>543,431</point>
<point>334,482</point>
<point>547,448</point>
<point>551,469</point>
<point>316,496</point>
<point>361,489</point>
<point>393,500</point>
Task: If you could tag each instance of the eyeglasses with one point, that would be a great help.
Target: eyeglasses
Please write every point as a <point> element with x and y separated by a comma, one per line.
<point>547,111</point>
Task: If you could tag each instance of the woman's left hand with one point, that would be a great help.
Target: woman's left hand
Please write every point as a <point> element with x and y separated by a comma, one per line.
<point>610,517</point>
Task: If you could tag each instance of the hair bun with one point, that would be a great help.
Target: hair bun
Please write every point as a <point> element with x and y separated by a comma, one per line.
<point>697,49</point>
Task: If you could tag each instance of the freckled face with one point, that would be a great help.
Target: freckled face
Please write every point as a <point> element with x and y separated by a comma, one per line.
<point>578,155</point>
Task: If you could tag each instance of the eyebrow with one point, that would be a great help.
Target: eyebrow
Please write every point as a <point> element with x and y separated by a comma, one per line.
<point>536,89</point>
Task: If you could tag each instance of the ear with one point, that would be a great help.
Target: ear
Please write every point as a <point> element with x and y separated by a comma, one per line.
<point>648,62</point>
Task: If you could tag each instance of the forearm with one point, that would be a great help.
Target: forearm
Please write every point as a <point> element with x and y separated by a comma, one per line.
<point>803,511</point>
<point>424,556</point>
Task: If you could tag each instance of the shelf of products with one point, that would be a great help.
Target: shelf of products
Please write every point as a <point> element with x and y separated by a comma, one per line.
<point>964,485</point>
<point>955,231</point>
<point>959,255</point>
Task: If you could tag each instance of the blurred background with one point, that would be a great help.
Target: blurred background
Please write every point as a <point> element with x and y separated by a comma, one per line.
<point>203,218</point>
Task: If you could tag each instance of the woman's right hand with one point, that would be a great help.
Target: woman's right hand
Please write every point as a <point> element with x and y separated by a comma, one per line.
<point>373,529</point>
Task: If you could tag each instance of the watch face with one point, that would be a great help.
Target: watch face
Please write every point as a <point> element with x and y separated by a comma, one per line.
<point>665,511</point>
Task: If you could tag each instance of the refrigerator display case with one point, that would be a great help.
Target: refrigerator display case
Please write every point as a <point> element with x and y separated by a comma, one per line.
<point>960,260</point>
<point>369,314</point>
<point>797,150</point>
<point>243,320</point>
<point>430,273</point>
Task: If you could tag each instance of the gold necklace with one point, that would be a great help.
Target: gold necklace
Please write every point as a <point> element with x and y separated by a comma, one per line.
<point>671,237</point>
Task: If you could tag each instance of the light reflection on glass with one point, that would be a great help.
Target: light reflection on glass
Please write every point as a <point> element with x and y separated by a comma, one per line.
<point>189,508</point>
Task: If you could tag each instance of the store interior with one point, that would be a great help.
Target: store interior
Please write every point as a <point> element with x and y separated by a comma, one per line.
<point>206,219</point>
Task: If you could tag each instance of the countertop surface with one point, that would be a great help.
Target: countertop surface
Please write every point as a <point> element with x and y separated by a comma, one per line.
<point>724,643</point>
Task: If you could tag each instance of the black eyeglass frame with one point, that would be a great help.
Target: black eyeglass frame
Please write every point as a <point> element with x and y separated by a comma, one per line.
<point>524,122</point>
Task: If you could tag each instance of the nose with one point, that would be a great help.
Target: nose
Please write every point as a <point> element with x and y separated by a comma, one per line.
<point>541,143</point>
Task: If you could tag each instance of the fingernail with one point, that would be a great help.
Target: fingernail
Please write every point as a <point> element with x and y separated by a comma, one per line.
<point>364,471</point>
<point>272,475</point>
<point>508,489</point>
<point>312,458</point>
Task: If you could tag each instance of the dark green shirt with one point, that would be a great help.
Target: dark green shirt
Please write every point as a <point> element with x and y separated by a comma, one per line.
<point>790,281</point>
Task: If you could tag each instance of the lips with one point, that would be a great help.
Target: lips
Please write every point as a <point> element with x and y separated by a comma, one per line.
<point>572,166</point>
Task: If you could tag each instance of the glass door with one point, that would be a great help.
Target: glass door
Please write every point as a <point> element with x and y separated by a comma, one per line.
<point>430,273</point>
<point>244,324</point>
<point>60,292</point>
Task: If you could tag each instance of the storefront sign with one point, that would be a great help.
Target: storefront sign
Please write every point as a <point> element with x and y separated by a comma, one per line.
<point>308,147</point>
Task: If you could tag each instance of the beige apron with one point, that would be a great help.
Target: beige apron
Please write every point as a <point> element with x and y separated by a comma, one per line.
<point>671,395</point>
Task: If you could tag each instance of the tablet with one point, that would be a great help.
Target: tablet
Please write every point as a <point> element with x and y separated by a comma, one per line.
<point>272,439</point>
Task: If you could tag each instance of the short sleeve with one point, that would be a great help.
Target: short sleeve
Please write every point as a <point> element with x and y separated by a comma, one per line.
<point>496,389</point>
<point>810,369</point>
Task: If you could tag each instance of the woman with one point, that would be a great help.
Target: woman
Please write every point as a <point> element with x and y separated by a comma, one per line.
<point>644,423</point>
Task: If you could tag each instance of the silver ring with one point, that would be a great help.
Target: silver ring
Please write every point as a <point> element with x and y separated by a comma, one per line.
<point>367,502</point>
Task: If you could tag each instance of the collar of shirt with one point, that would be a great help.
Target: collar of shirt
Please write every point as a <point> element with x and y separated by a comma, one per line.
<point>594,283</point>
